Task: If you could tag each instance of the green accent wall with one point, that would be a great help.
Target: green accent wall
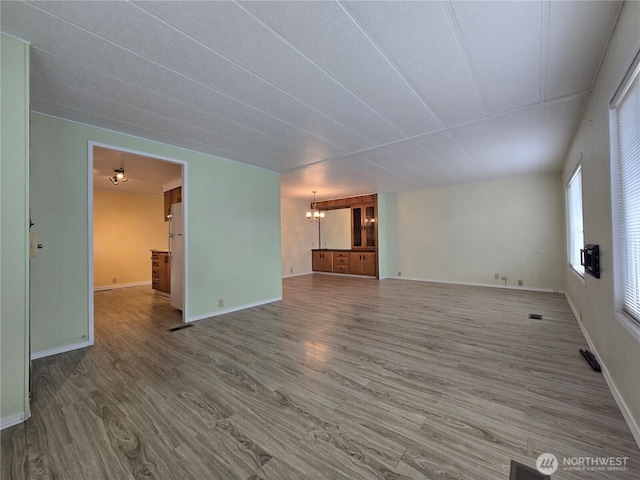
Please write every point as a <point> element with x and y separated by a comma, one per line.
<point>14,228</point>
<point>233,230</point>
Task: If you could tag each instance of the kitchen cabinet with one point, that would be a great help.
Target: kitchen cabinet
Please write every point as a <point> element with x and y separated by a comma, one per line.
<point>160,271</point>
<point>363,226</point>
<point>170,197</point>
<point>363,263</point>
<point>344,261</point>
<point>322,261</point>
<point>341,262</point>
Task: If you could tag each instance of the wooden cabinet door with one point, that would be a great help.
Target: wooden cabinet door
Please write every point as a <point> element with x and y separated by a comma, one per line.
<point>170,197</point>
<point>316,261</point>
<point>322,261</point>
<point>176,195</point>
<point>164,274</point>
<point>327,261</point>
<point>363,263</point>
<point>369,264</point>
<point>363,226</point>
<point>356,263</point>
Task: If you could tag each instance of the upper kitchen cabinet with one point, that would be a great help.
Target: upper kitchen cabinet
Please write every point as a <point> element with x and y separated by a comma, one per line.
<point>363,226</point>
<point>171,197</point>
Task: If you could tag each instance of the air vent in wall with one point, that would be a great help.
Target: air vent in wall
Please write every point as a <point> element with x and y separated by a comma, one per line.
<point>180,327</point>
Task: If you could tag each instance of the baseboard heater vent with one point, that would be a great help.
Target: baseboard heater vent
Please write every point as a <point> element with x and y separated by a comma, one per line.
<point>591,360</point>
<point>535,316</point>
<point>180,327</point>
<point>522,472</point>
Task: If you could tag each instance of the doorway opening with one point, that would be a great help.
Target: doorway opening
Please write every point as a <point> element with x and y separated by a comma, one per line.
<point>137,229</point>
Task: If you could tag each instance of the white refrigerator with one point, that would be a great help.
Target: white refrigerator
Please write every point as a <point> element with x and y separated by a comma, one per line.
<point>176,255</point>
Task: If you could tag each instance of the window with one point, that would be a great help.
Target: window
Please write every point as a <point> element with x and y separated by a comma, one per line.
<point>626,154</point>
<point>574,222</point>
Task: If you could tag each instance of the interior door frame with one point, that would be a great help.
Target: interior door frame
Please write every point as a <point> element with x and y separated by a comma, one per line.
<point>185,195</point>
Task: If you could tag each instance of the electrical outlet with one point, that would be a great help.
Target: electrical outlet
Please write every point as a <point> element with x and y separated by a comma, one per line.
<point>291,270</point>
<point>504,279</point>
<point>114,280</point>
<point>520,283</point>
<point>496,276</point>
<point>399,274</point>
<point>221,303</point>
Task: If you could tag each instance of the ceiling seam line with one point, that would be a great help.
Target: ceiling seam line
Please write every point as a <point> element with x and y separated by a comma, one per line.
<point>235,99</point>
<point>545,27</point>
<point>141,128</point>
<point>388,169</point>
<point>213,116</point>
<point>326,72</point>
<point>148,112</point>
<point>377,44</point>
<point>565,98</point>
<point>464,51</point>
<point>595,76</point>
<point>102,72</point>
<point>260,77</point>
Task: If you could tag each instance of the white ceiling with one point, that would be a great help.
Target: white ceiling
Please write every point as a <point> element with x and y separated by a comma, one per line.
<point>340,97</point>
<point>144,175</point>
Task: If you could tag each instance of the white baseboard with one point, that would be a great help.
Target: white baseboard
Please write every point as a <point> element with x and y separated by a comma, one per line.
<point>12,420</point>
<point>231,309</point>
<point>622,405</point>
<point>296,274</point>
<point>120,285</point>
<point>57,350</point>
<point>472,284</point>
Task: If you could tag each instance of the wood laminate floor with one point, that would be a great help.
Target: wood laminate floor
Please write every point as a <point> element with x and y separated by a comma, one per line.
<point>346,378</point>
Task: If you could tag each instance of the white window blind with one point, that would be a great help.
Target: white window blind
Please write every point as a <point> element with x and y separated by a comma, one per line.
<point>574,214</point>
<point>627,144</point>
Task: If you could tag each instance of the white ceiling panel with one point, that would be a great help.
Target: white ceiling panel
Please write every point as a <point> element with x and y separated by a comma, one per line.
<point>123,24</point>
<point>361,68</point>
<point>504,41</point>
<point>162,124</point>
<point>345,177</point>
<point>340,97</point>
<point>268,57</point>
<point>409,160</point>
<point>460,166</point>
<point>578,34</point>
<point>559,123</point>
<point>418,38</point>
<point>130,96</point>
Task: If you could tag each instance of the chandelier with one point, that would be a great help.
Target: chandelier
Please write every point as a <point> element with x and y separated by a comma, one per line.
<point>314,215</point>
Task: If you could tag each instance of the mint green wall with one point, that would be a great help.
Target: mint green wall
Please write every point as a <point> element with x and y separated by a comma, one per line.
<point>617,347</point>
<point>467,233</point>
<point>14,237</point>
<point>233,238</point>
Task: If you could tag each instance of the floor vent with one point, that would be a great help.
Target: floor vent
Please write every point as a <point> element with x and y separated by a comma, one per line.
<point>522,472</point>
<point>180,327</point>
<point>535,316</point>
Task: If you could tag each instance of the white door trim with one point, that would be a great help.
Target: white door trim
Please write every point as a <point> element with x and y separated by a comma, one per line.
<point>185,196</point>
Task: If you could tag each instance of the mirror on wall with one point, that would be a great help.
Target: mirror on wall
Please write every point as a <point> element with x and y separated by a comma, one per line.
<point>336,229</point>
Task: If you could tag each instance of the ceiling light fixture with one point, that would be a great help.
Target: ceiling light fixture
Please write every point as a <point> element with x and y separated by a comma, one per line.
<point>314,214</point>
<point>118,176</point>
